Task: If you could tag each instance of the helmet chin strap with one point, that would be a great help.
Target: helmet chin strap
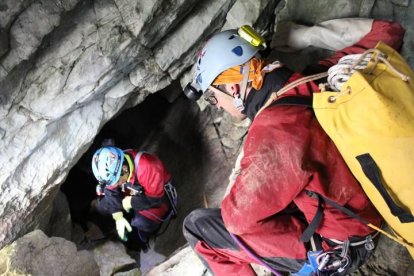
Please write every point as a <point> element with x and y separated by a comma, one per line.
<point>241,97</point>
<point>130,168</point>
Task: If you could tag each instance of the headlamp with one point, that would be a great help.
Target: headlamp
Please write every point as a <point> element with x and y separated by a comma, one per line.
<point>250,35</point>
<point>193,91</point>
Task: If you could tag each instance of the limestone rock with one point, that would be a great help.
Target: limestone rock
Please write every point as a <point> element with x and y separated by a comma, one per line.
<point>40,103</point>
<point>165,17</point>
<point>36,254</point>
<point>259,14</point>
<point>404,3</point>
<point>183,262</point>
<point>232,134</point>
<point>152,20</point>
<point>179,48</point>
<point>44,162</point>
<point>389,258</point>
<point>111,258</point>
<point>149,76</point>
<point>80,63</point>
<point>60,222</point>
<point>4,42</point>
<point>9,9</point>
<point>30,27</point>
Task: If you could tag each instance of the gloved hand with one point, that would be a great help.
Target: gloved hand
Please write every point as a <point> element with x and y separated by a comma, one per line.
<point>121,225</point>
<point>126,203</point>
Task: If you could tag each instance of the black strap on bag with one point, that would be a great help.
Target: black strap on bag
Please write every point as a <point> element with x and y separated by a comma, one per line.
<point>171,193</point>
<point>372,172</point>
<point>316,221</point>
<point>313,225</point>
<point>294,100</point>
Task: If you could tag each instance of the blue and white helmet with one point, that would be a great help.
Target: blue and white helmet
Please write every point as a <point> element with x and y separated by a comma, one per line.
<point>107,165</point>
<point>221,52</point>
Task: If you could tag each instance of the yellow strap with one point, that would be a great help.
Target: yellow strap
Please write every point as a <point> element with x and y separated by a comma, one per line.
<point>395,238</point>
<point>130,165</point>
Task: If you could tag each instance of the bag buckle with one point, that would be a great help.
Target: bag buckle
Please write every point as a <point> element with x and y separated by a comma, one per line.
<point>369,243</point>
<point>238,103</point>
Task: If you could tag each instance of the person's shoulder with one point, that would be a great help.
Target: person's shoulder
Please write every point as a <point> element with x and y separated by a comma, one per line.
<point>149,156</point>
<point>268,121</point>
<point>150,160</point>
<point>279,113</point>
<point>279,119</point>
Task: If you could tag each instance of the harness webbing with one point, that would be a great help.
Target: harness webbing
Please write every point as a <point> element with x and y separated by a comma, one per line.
<point>294,100</point>
<point>355,216</point>
<point>316,221</point>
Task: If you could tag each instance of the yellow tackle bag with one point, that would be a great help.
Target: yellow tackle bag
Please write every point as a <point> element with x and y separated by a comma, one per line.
<point>371,121</point>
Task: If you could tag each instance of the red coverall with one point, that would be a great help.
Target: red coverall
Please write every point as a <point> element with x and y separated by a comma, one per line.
<point>152,206</point>
<point>286,152</point>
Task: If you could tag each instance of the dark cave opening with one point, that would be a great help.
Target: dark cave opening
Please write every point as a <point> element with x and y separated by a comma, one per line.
<point>173,132</point>
<point>128,130</point>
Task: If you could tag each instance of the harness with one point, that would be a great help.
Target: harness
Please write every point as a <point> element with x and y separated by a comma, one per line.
<point>313,225</point>
<point>337,77</point>
<point>337,259</point>
<point>136,189</point>
<point>329,262</point>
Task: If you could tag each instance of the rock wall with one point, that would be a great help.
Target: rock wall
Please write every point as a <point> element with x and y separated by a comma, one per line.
<point>36,254</point>
<point>66,68</point>
<point>69,66</point>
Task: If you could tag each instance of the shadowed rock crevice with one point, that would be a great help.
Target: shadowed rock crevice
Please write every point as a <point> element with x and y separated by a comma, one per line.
<point>182,137</point>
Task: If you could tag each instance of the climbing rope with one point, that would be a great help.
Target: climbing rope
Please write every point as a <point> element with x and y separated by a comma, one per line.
<point>340,73</point>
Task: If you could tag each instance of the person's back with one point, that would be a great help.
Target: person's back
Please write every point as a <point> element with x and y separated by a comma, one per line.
<point>287,156</point>
<point>150,174</point>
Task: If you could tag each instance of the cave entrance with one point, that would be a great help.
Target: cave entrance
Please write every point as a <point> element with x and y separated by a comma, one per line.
<point>172,131</point>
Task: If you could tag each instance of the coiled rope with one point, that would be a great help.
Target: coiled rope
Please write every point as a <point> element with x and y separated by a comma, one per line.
<point>339,74</point>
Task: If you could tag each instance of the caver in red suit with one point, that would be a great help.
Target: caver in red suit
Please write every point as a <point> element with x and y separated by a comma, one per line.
<point>286,153</point>
<point>150,206</point>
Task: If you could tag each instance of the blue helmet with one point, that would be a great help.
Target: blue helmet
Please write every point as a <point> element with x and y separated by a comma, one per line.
<point>107,165</point>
